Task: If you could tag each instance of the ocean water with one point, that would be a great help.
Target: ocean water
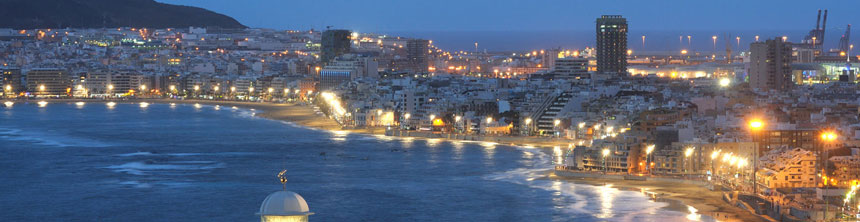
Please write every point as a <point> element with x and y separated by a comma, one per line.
<point>655,40</point>
<point>68,162</point>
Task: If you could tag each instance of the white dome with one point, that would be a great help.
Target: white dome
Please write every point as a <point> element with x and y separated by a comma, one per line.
<point>284,203</point>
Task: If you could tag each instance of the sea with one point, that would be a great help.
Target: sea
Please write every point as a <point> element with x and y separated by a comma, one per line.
<point>163,162</point>
<point>655,40</point>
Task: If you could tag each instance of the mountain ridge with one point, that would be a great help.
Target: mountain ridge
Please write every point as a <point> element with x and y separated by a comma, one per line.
<point>32,14</point>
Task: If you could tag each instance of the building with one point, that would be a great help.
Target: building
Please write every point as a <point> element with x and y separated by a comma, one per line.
<point>416,53</point>
<point>612,44</point>
<point>11,79</point>
<point>795,138</point>
<point>782,168</point>
<point>331,78</point>
<point>770,65</point>
<point>362,66</point>
<point>334,43</point>
<point>571,68</point>
<point>48,82</point>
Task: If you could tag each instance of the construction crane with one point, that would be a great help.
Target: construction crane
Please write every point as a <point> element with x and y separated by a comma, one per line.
<point>816,36</point>
<point>845,41</point>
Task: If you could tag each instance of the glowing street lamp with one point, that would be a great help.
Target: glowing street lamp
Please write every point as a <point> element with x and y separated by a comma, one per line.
<point>605,154</point>
<point>457,118</point>
<point>715,42</point>
<point>755,126</point>
<point>725,82</point>
<point>489,120</point>
<point>42,88</point>
<point>432,116</point>
<point>648,150</point>
<point>171,87</point>
<point>828,136</point>
<point>215,88</point>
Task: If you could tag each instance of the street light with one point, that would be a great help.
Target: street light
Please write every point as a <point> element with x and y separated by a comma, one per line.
<point>687,154</point>
<point>724,82</point>
<point>715,42</point>
<point>648,150</point>
<point>755,126</point>
<point>605,153</point>
<point>827,137</point>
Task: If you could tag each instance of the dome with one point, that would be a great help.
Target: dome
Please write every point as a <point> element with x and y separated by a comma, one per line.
<point>284,203</point>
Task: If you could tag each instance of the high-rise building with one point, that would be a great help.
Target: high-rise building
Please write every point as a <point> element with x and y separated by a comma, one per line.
<point>416,53</point>
<point>571,68</point>
<point>48,82</point>
<point>334,43</point>
<point>11,79</point>
<point>770,65</point>
<point>612,44</point>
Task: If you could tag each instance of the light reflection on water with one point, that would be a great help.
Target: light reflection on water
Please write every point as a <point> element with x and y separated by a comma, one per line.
<point>343,176</point>
<point>694,216</point>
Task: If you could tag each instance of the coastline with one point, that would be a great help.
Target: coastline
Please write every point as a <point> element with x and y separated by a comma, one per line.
<point>707,202</point>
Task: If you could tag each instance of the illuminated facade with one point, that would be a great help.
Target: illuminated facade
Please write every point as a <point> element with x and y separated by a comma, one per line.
<point>612,44</point>
<point>331,78</point>
<point>48,82</point>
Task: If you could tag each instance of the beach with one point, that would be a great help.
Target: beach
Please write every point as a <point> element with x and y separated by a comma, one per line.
<point>707,202</point>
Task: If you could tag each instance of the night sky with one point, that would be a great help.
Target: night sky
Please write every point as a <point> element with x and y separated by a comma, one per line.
<point>519,15</point>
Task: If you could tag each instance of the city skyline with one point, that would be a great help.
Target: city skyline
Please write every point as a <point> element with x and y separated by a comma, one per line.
<point>507,15</point>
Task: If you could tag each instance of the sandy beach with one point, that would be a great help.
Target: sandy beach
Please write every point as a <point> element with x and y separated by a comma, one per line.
<point>679,195</point>
<point>707,202</point>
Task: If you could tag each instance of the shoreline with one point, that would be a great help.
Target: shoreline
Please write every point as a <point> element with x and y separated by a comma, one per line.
<point>707,202</point>
<point>677,195</point>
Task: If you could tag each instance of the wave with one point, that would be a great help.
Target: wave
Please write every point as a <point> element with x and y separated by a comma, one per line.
<point>185,154</point>
<point>603,203</point>
<point>144,168</point>
<point>49,139</point>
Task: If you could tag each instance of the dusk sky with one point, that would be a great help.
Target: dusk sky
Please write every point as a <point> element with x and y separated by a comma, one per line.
<point>515,15</point>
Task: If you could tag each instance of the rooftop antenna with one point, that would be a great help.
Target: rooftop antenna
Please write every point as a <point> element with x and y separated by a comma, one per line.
<point>283,177</point>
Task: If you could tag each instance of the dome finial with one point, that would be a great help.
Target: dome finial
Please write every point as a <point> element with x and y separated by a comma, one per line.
<point>283,176</point>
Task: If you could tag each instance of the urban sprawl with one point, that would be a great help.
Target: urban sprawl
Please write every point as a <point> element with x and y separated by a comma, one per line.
<point>775,126</point>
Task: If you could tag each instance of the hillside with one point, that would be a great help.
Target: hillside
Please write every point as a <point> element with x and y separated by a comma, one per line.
<point>29,14</point>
